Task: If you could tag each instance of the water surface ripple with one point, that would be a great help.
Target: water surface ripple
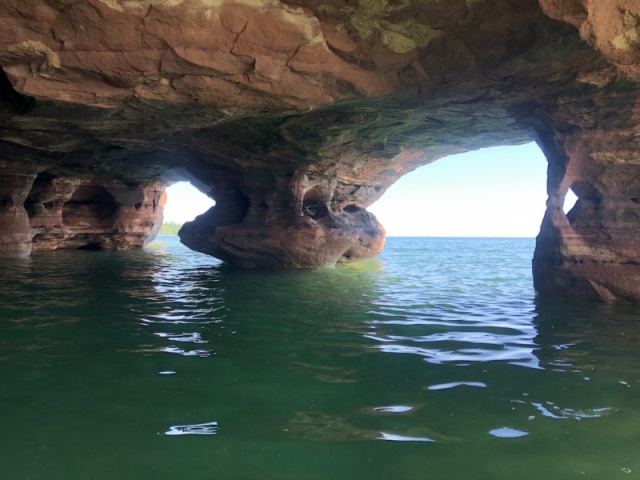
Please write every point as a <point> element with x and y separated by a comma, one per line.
<point>433,361</point>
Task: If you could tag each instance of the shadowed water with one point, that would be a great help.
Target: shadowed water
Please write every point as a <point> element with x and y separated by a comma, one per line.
<point>434,361</point>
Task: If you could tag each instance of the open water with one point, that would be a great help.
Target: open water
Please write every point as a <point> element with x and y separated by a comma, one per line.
<point>434,361</point>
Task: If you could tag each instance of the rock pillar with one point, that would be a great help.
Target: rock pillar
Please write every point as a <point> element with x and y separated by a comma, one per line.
<point>286,219</point>
<point>594,250</point>
<point>15,231</point>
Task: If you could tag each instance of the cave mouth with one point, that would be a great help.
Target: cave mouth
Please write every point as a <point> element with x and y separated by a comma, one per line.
<point>491,192</point>
<point>184,203</point>
<point>570,201</point>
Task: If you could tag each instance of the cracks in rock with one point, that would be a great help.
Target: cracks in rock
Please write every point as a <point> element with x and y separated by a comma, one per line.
<point>360,62</point>
<point>252,62</point>
<point>293,55</point>
<point>251,68</point>
<point>147,13</point>
<point>56,38</point>
<point>232,247</point>
<point>63,11</point>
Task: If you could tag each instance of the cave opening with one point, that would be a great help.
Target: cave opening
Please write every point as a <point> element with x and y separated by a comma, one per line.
<point>184,203</point>
<point>492,192</point>
<point>570,201</point>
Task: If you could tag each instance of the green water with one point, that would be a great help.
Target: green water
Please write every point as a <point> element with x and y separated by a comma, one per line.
<point>434,361</point>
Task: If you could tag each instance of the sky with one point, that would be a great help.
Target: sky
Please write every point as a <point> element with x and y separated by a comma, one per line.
<point>493,192</point>
<point>185,202</point>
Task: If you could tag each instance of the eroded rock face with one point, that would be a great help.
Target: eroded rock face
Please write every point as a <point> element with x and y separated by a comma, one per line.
<point>45,211</point>
<point>308,221</point>
<point>296,115</point>
<point>93,214</point>
<point>594,250</point>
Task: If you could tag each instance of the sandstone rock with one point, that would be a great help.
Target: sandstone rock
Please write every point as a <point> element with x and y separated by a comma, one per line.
<point>295,115</point>
<point>91,214</point>
<point>594,250</point>
<point>15,232</point>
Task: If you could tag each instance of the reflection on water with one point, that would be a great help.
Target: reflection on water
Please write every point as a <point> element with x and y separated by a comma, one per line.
<point>433,361</point>
<point>210,428</point>
<point>506,432</point>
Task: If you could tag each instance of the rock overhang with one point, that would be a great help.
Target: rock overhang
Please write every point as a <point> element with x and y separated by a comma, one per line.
<point>295,116</point>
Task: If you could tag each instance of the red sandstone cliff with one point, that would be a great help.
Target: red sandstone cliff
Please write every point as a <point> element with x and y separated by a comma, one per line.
<point>297,115</point>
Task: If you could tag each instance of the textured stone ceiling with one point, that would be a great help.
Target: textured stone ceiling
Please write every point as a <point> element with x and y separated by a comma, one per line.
<point>297,115</point>
<point>265,83</point>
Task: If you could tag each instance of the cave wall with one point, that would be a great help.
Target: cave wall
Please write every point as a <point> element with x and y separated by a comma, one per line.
<point>594,250</point>
<point>44,211</point>
<point>296,115</point>
<point>592,147</point>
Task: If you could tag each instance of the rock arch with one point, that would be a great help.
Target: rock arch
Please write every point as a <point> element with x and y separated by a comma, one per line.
<point>296,115</point>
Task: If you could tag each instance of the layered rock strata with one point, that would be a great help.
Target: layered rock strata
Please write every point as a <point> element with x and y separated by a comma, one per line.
<point>593,149</point>
<point>44,211</point>
<point>296,115</point>
<point>594,250</point>
<point>93,214</point>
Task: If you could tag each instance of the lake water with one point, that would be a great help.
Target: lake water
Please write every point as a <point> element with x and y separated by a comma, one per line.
<point>433,361</point>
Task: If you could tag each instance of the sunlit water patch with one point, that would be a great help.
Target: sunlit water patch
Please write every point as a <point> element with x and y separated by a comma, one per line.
<point>433,361</point>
